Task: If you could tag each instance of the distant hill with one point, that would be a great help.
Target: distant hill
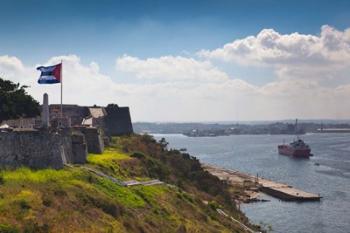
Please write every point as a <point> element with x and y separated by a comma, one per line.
<point>219,129</point>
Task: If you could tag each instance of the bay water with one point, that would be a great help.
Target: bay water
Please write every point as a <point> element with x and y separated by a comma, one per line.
<point>326,173</point>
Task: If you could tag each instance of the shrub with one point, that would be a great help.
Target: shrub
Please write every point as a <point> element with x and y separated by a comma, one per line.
<point>59,191</point>
<point>105,205</point>
<point>33,227</point>
<point>138,154</point>
<point>213,205</point>
<point>24,204</point>
<point>2,181</point>
<point>8,229</point>
<point>47,200</point>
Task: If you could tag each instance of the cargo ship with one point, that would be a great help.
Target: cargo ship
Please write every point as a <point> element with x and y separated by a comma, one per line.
<point>297,149</point>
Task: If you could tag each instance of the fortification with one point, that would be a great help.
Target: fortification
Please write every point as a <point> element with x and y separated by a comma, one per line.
<point>93,137</point>
<point>55,139</point>
<point>114,120</point>
<point>32,148</point>
<point>75,113</point>
<point>41,148</point>
<point>118,120</point>
<point>79,148</point>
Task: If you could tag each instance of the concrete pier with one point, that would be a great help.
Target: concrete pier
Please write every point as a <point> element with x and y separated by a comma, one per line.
<point>285,192</point>
<point>279,190</point>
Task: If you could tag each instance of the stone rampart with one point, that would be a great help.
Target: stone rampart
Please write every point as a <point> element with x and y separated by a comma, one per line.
<point>74,112</point>
<point>113,119</point>
<point>35,149</point>
<point>79,148</point>
<point>40,149</point>
<point>94,139</point>
<point>118,120</point>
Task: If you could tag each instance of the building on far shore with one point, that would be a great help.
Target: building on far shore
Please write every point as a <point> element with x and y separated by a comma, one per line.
<point>333,130</point>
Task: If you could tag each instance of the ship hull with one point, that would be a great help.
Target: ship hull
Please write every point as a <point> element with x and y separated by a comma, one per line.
<point>290,151</point>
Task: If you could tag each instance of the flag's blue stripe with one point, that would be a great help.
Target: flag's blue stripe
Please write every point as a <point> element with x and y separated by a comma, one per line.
<point>46,67</point>
<point>40,81</point>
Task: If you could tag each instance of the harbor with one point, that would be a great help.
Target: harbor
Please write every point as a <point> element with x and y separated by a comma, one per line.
<point>248,155</point>
<point>258,184</point>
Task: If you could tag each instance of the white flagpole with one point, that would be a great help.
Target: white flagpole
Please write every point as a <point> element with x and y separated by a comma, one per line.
<point>61,87</point>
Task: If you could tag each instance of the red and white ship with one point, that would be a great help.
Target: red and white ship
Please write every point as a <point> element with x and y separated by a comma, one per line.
<point>297,149</point>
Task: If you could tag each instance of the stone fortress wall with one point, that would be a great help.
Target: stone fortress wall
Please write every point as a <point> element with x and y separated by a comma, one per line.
<point>94,139</point>
<point>75,113</point>
<point>118,120</point>
<point>114,120</point>
<point>36,149</point>
<point>50,145</point>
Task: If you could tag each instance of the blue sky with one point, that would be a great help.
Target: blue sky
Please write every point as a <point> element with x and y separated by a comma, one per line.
<point>104,31</point>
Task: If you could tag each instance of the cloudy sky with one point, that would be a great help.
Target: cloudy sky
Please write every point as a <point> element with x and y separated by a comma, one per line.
<point>186,60</point>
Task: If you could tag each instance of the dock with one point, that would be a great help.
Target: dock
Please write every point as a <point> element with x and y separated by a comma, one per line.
<point>279,190</point>
<point>285,192</point>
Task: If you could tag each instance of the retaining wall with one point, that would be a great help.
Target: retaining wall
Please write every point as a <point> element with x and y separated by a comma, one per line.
<point>39,149</point>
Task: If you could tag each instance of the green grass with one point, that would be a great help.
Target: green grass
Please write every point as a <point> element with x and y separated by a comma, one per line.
<point>109,162</point>
<point>123,195</point>
<point>150,194</point>
<point>75,200</point>
<point>109,155</point>
<point>24,175</point>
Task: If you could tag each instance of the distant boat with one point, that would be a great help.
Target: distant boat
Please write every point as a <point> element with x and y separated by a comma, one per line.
<point>298,148</point>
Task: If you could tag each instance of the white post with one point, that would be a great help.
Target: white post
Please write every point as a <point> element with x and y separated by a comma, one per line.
<point>45,117</point>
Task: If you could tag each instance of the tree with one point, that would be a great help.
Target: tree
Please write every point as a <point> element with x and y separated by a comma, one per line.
<point>163,143</point>
<point>15,102</point>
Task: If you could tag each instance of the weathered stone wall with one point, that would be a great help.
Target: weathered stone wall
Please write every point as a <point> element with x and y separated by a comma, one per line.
<point>35,149</point>
<point>41,149</point>
<point>74,112</point>
<point>113,119</point>
<point>93,138</point>
<point>28,123</point>
<point>118,120</point>
<point>79,148</point>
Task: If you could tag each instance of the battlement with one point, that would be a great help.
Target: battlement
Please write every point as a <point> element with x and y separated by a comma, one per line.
<point>114,120</point>
<point>118,120</point>
<point>60,137</point>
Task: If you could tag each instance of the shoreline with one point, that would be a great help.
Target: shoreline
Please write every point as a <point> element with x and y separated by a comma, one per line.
<point>253,186</point>
<point>244,182</point>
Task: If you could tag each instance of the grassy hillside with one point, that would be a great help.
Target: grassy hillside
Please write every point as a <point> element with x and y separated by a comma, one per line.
<point>76,200</point>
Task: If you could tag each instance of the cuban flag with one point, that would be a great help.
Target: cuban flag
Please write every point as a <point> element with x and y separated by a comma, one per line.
<point>50,74</point>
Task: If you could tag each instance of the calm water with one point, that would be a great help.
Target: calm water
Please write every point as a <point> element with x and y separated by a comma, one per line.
<point>258,154</point>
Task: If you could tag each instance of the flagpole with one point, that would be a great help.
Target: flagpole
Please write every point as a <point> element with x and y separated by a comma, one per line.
<point>61,87</point>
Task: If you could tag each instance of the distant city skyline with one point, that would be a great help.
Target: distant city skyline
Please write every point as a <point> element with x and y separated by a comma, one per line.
<point>186,61</point>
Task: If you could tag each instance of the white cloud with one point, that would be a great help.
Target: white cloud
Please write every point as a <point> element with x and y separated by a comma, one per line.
<point>82,84</point>
<point>12,68</point>
<point>324,58</point>
<point>311,80</point>
<point>311,71</point>
<point>170,68</point>
<point>331,47</point>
